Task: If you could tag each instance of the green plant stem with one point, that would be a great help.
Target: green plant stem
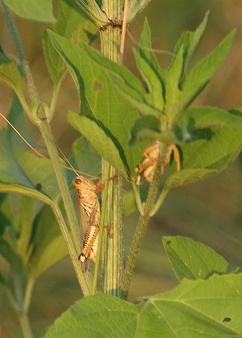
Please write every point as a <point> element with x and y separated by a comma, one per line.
<point>46,133</point>
<point>85,280</point>
<point>20,296</point>
<point>113,261</point>
<point>111,36</point>
<point>25,325</point>
<point>100,241</point>
<point>28,294</point>
<point>21,53</point>
<point>92,10</point>
<point>139,203</point>
<point>142,225</point>
<point>72,242</point>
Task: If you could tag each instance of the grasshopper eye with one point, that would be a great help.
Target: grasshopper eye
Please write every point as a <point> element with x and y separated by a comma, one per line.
<point>78,180</point>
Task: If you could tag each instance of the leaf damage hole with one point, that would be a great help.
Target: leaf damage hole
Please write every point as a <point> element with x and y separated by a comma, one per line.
<point>168,242</point>
<point>97,86</point>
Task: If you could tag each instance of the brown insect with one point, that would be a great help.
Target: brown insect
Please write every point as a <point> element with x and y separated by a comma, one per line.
<point>89,207</point>
<point>146,168</point>
<point>90,217</point>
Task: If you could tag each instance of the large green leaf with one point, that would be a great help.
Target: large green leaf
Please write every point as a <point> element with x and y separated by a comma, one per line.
<point>203,72</point>
<point>193,260</point>
<point>32,9</point>
<point>168,92</point>
<point>182,89</point>
<point>188,43</point>
<point>195,309</point>
<point>208,117</point>
<point>48,243</point>
<point>85,158</point>
<point>214,141</point>
<point>103,144</point>
<point>74,26</point>
<point>128,84</point>
<point>101,101</point>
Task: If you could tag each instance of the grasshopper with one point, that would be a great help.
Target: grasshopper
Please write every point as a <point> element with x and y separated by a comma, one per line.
<point>89,207</point>
<point>89,203</point>
<point>146,168</point>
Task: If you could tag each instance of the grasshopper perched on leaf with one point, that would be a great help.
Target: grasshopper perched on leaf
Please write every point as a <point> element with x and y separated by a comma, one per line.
<point>146,168</point>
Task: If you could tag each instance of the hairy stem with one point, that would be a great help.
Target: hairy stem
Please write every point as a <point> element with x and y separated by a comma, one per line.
<point>142,225</point>
<point>100,241</point>
<point>113,260</point>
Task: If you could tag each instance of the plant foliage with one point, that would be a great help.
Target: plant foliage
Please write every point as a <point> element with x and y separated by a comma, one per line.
<point>119,114</point>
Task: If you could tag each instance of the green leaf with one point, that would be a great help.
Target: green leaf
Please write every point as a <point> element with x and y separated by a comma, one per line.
<point>208,150</point>
<point>10,256</point>
<point>74,26</point>
<point>208,117</point>
<point>188,43</point>
<point>195,309</point>
<point>182,89</point>
<point>33,10</point>
<point>20,170</point>
<point>19,214</point>
<point>47,241</point>
<point>148,127</point>
<point>101,101</point>
<point>149,68</point>
<point>10,74</point>
<point>128,84</point>
<point>192,260</point>
<point>216,151</point>
<point>142,127</point>
<point>5,285</point>
<point>85,158</point>
<point>31,239</point>
<point>187,176</point>
<point>173,90</point>
<point>100,141</point>
<point>203,72</point>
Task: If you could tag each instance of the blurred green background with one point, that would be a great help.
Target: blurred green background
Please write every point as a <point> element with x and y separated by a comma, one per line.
<point>209,211</point>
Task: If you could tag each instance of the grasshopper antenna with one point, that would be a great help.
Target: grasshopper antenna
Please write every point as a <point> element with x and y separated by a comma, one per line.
<point>37,152</point>
<point>18,133</point>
